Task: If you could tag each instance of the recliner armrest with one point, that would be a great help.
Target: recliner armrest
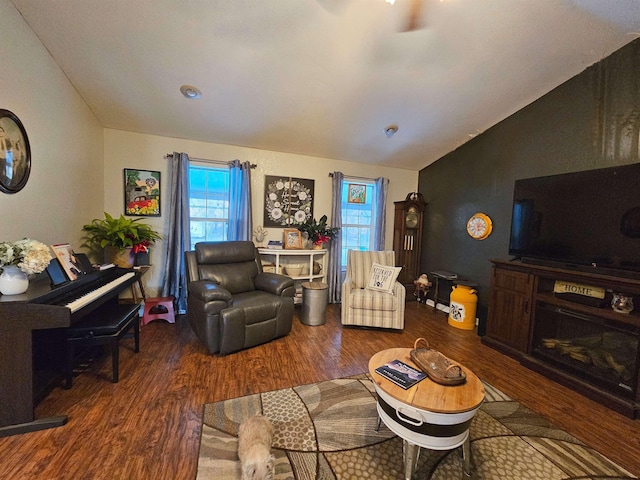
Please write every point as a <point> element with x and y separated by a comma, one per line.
<point>208,291</point>
<point>275,283</point>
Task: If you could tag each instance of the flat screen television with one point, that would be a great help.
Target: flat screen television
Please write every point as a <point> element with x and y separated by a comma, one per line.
<point>586,220</point>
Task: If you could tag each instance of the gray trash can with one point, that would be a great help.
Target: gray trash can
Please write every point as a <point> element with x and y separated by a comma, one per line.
<point>314,303</point>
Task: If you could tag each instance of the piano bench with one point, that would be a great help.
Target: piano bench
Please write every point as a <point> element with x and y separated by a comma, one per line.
<point>105,326</point>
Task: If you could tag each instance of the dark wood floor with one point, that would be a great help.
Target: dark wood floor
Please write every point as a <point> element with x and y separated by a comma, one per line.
<point>147,426</point>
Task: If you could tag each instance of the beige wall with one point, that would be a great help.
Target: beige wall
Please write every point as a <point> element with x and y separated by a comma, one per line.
<point>146,152</point>
<point>77,166</point>
<point>66,187</point>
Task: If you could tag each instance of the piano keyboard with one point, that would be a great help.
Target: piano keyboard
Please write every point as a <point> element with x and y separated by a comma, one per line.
<point>89,297</point>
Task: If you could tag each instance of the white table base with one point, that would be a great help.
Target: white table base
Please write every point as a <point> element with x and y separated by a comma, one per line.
<point>423,429</point>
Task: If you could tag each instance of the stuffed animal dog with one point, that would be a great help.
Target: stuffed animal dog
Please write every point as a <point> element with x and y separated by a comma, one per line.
<point>422,288</point>
<point>254,448</point>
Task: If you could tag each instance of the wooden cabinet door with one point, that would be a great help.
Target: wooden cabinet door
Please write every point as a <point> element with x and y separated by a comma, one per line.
<point>510,302</point>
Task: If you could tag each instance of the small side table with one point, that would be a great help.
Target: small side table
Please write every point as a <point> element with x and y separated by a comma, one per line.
<point>143,295</point>
<point>448,278</point>
<point>314,303</point>
<point>427,415</point>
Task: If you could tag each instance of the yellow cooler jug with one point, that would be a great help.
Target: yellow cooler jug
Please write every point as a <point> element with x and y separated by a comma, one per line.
<point>462,306</point>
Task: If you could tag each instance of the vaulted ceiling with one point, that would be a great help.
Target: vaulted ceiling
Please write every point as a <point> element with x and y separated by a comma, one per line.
<point>325,77</point>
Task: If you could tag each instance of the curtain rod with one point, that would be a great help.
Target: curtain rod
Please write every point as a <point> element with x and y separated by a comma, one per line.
<point>220,162</point>
<point>353,176</point>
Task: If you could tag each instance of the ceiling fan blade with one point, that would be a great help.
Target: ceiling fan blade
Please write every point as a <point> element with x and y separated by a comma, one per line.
<point>413,19</point>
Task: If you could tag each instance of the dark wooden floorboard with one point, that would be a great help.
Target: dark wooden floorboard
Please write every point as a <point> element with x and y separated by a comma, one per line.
<point>147,426</point>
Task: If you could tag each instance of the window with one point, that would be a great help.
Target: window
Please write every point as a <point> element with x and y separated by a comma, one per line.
<point>358,219</point>
<point>208,203</point>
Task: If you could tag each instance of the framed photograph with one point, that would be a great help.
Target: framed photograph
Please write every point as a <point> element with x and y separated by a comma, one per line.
<point>357,193</point>
<point>15,153</point>
<point>141,193</point>
<point>292,238</point>
<point>287,201</point>
<point>68,260</point>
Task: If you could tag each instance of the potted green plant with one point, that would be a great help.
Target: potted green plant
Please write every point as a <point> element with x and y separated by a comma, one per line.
<point>120,238</point>
<point>318,231</point>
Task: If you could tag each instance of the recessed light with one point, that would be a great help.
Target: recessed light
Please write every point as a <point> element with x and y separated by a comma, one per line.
<point>190,91</point>
<point>390,130</point>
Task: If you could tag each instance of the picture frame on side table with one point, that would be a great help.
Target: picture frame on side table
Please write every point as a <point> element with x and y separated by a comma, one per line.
<point>15,153</point>
<point>141,192</point>
<point>292,239</point>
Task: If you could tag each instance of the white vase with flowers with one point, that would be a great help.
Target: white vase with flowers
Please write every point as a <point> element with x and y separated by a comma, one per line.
<point>18,260</point>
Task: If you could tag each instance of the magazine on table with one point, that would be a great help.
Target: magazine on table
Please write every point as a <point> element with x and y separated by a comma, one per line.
<point>401,374</point>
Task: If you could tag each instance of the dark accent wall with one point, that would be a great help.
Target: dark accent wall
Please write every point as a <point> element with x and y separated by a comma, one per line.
<point>590,121</point>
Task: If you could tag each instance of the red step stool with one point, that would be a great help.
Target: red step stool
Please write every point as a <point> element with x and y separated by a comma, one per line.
<point>159,308</point>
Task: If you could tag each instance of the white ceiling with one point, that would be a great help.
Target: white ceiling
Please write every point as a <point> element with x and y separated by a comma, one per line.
<point>324,77</point>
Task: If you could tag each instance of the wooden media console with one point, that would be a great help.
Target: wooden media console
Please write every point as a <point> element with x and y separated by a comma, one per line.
<point>573,338</point>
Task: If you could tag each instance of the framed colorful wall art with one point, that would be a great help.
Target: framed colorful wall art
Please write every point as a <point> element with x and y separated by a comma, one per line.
<point>357,193</point>
<point>141,193</point>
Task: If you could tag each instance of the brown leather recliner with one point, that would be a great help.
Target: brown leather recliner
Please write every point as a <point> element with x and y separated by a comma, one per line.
<point>232,304</point>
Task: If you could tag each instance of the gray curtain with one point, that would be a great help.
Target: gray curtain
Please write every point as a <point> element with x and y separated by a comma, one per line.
<point>174,280</point>
<point>334,275</point>
<point>240,219</point>
<point>380,205</point>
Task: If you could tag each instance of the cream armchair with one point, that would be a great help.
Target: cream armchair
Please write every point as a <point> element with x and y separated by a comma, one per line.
<point>371,308</point>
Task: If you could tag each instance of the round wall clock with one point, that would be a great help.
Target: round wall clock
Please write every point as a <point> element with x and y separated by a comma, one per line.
<point>479,226</point>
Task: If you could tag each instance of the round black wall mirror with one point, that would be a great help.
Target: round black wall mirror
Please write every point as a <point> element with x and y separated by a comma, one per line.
<point>15,153</point>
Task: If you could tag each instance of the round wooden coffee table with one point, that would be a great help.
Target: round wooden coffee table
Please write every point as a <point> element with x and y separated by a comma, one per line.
<point>427,415</point>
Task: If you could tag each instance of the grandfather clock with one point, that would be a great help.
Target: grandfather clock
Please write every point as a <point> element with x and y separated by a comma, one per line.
<point>407,237</point>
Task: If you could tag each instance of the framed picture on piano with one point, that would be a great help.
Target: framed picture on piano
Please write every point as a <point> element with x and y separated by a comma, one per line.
<point>58,275</point>
<point>68,260</point>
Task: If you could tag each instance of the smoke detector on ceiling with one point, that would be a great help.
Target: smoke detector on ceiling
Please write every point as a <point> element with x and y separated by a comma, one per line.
<point>190,91</point>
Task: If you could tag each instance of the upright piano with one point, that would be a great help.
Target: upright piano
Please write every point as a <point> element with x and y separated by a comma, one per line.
<point>31,327</point>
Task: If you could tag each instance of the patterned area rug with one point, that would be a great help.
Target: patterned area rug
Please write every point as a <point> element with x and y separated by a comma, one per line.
<point>327,431</point>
